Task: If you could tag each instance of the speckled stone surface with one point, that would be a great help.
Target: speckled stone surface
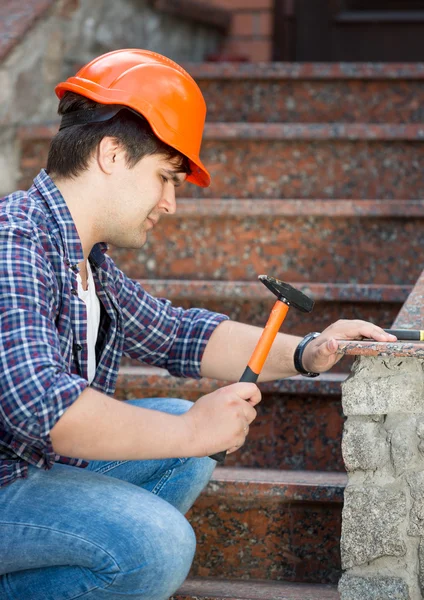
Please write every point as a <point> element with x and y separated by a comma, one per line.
<point>312,92</point>
<point>140,381</point>
<point>298,426</point>
<point>294,432</point>
<point>269,525</point>
<point>365,348</point>
<point>16,18</point>
<point>314,101</point>
<point>337,168</point>
<point>315,131</point>
<point>315,71</point>
<point>379,305</point>
<point>314,160</point>
<point>237,247</point>
<point>411,315</point>
<point>218,589</point>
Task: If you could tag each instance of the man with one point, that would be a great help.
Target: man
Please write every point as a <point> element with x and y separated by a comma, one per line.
<point>93,491</point>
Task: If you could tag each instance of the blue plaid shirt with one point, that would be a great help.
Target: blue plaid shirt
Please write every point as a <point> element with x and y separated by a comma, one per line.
<point>43,326</point>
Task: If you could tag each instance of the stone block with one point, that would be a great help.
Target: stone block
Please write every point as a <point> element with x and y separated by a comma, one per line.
<point>364,445</point>
<point>416,518</point>
<point>382,386</point>
<point>403,438</point>
<point>421,566</point>
<point>371,524</point>
<point>352,587</point>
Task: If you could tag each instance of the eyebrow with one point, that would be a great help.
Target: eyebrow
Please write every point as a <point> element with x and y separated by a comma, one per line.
<point>174,176</point>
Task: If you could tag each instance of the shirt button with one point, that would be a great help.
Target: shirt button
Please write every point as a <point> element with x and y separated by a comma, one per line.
<point>78,347</point>
<point>74,292</point>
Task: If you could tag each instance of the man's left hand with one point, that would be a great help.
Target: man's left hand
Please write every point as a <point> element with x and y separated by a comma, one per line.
<point>321,354</point>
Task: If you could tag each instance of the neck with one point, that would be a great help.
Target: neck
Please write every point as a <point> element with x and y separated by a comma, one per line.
<point>80,198</point>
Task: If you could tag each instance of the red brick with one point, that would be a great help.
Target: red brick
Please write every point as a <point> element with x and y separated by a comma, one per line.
<point>265,23</point>
<point>241,4</point>
<point>243,24</point>
<point>254,50</point>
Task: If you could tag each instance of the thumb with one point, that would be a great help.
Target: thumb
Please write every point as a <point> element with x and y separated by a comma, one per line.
<point>322,356</point>
<point>331,346</point>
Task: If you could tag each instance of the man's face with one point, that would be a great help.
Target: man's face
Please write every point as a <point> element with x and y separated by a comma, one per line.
<point>139,197</point>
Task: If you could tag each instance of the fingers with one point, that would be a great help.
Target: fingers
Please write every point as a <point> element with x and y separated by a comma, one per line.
<point>374,332</point>
<point>357,329</point>
<point>249,392</point>
<point>241,442</point>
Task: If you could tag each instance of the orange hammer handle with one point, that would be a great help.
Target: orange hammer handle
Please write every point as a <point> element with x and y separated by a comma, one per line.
<point>256,362</point>
<point>276,318</point>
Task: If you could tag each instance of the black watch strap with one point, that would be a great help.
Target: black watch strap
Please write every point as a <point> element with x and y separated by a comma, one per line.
<point>298,355</point>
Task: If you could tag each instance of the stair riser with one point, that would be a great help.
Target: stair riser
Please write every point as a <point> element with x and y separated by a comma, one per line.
<point>246,168</point>
<point>244,535</point>
<point>294,432</point>
<point>314,101</point>
<point>291,431</point>
<point>297,323</point>
<point>293,248</point>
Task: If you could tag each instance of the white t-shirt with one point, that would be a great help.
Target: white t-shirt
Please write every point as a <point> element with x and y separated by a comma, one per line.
<point>92,303</point>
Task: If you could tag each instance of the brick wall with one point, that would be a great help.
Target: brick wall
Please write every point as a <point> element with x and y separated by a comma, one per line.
<point>250,37</point>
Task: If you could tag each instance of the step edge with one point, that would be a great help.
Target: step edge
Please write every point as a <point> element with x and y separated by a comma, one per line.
<point>235,131</point>
<point>335,208</point>
<point>306,71</point>
<point>376,132</point>
<point>326,384</point>
<point>212,586</point>
<point>280,476</point>
<point>220,289</point>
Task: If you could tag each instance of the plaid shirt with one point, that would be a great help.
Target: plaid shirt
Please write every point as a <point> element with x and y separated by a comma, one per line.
<point>43,350</point>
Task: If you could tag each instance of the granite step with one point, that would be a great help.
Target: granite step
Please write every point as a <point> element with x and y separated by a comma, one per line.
<point>312,92</point>
<point>250,302</point>
<point>303,240</point>
<point>277,160</point>
<point>221,589</point>
<point>299,422</point>
<point>269,524</point>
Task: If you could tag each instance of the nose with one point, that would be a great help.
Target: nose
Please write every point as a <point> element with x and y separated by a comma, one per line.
<point>168,201</point>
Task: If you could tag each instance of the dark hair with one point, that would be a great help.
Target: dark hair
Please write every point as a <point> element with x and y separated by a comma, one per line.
<point>72,147</point>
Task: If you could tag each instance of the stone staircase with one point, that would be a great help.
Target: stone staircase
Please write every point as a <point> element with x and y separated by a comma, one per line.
<point>317,177</point>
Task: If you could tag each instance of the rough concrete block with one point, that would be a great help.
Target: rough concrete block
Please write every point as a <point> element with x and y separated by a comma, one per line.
<point>373,588</point>
<point>384,385</point>
<point>403,442</point>
<point>416,517</point>
<point>371,524</point>
<point>364,445</point>
<point>421,566</point>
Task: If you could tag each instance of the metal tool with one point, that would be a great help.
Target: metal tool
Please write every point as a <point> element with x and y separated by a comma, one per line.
<point>286,296</point>
<point>407,334</point>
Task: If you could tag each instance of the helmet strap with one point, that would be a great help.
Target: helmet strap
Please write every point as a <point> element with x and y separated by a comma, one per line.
<point>96,115</point>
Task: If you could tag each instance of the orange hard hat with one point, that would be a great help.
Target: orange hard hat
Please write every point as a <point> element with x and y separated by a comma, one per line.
<point>154,86</point>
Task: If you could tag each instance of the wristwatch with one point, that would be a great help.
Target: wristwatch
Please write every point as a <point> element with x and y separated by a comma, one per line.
<point>298,354</point>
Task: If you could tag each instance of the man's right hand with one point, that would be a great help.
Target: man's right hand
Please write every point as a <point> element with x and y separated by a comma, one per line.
<point>220,420</point>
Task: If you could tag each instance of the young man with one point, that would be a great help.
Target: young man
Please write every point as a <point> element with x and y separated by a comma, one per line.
<point>93,491</point>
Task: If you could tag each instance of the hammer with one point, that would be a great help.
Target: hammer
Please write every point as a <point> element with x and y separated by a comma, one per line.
<point>286,296</point>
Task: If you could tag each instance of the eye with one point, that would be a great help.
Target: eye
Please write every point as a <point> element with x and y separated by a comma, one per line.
<point>164,178</point>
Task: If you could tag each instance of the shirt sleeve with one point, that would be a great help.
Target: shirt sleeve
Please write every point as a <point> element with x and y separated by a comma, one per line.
<point>160,334</point>
<point>35,385</point>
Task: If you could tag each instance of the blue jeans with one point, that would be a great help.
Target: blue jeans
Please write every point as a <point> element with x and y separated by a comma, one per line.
<point>113,530</point>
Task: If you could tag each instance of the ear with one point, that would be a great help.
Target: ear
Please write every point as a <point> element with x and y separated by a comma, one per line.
<point>109,154</point>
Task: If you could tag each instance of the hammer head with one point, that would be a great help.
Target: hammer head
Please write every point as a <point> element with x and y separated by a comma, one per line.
<point>288,294</point>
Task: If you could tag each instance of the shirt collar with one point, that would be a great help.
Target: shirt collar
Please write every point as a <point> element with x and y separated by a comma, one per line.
<point>63,218</point>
